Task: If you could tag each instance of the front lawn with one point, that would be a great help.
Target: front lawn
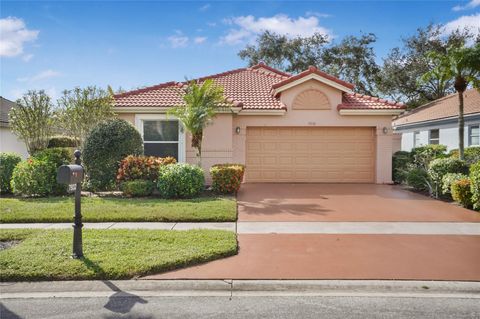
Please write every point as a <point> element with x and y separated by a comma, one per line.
<point>109,254</point>
<point>110,209</point>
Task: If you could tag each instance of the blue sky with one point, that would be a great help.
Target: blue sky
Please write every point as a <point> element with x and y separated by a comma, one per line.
<point>62,44</point>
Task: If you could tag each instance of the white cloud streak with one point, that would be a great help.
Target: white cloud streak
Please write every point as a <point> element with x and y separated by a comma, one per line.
<point>471,5</point>
<point>470,22</point>
<point>44,75</point>
<point>246,28</point>
<point>13,36</point>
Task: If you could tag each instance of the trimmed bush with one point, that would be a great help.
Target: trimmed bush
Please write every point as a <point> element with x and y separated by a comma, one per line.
<point>423,155</point>
<point>400,161</point>
<point>227,178</point>
<point>138,188</point>
<point>461,192</point>
<point>36,177</point>
<point>448,179</point>
<point>180,181</point>
<point>8,161</point>
<point>106,145</point>
<point>417,178</point>
<point>441,166</point>
<point>57,155</point>
<point>142,167</point>
<point>62,141</point>
<point>471,154</point>
<point>475,184</point>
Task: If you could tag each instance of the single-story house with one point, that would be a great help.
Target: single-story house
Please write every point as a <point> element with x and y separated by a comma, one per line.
<point>309,127</point>
<point>437,122</point>
<point>9,142</point>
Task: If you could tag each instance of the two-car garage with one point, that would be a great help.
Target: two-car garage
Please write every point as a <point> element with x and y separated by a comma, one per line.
<point>310,154</point>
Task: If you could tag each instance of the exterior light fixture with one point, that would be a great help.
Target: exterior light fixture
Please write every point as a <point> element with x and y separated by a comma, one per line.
<point>385,130</point>
<point>237,130</point>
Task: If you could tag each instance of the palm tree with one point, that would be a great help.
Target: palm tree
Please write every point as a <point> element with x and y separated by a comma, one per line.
<point>462,65</point>
<point>201,103</point>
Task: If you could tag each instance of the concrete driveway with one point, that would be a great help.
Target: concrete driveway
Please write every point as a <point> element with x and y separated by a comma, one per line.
<point>343,202</point>
<point>285,248</point>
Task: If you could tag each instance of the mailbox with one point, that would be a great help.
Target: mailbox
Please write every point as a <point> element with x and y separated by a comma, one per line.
<point>70,174</point>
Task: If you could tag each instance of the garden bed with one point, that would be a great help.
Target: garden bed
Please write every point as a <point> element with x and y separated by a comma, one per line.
<point>109,254</point>
<point>114,209</point>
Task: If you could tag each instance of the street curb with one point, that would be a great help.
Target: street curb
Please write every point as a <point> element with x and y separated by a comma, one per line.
<point>238,288</point>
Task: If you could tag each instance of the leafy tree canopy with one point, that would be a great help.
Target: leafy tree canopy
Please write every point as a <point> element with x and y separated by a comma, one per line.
<point>404,66</point>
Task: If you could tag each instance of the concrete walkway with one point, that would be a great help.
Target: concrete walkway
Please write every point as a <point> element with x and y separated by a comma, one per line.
<point>407,228</point>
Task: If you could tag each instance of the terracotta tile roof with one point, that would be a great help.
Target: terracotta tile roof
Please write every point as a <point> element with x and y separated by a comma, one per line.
<point>249,88</point>
<point>312,70</point>
<point>246,87</point>
<point>446,107</point>
<point>361,101</point>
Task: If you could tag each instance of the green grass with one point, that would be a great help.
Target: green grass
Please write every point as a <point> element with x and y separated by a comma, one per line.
<point>109,254</point>
<point>110,209</point>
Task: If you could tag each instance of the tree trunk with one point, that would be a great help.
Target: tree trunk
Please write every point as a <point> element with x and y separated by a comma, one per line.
<point>460,85</point>
<point>461,127</point>
<point>197,143</point>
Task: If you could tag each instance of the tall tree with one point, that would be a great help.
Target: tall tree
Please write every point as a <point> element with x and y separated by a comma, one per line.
<point>352,59</point>
<point>202,101</point>
<point>81,109</point>
<point>460,65</point>
<point>32,120</point>
<point>405,65</point>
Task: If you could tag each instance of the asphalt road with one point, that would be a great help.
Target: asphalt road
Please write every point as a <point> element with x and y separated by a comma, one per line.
<point>240,307</point>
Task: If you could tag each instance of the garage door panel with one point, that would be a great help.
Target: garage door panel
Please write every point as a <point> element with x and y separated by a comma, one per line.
<point>321,154</point>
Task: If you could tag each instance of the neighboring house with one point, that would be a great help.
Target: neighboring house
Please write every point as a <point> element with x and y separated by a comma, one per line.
<point>437,122</point>
<point>9,142</point>
<point>309,127</point>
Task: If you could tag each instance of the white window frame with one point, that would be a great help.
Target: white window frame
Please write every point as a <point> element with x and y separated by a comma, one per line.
<point>430,136</point>
<point>415,134</point>
<point>470,134</point>
<point>139,120</point>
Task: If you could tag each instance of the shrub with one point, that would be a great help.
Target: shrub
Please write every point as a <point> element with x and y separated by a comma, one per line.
<point>36,177</point>
<point>423,155</point>
<point>62,141</point>
<point>475,184</point>
<point>400,161</point>
<point>417,178</point>
<point>180,181</point>
<point>448,179</point>
<point>138,188</point>
<point>141,167</point>
<point>226,178</point>
<point>8,161</point>
<point>471,154</point>
<point>461,192</point>
<point>57,155</point>
<point>441,166</point>
<point>106,145</point>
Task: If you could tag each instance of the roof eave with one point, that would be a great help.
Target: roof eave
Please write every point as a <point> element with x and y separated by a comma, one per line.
<point>380,112</point>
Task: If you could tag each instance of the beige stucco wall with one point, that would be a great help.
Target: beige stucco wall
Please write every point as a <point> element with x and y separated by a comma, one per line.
<point>9,142</point>
<point>314,118</point>
<point>221,144</point>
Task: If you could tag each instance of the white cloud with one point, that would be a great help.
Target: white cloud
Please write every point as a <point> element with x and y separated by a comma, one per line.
<point>472,4</point>
<point>44,75</point>
<point>317,14</point>
<point>13,35</point>
<point>212,24</point>
<point>247,27</point>
<point>178,40</point>
<point>199,40</point>
<point>205,7</point>
<point>470,22</point>
<point>27,57</point>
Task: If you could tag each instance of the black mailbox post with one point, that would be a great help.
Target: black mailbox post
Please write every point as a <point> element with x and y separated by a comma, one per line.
<point>73,174</point>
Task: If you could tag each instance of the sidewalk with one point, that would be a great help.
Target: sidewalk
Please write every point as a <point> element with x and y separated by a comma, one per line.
<point>233,288</point>
<point>393,228</point>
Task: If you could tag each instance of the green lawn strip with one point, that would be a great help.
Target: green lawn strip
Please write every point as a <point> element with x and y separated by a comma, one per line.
<point>109,209</point>
<point>16,234</point>
<point>111,254</point>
